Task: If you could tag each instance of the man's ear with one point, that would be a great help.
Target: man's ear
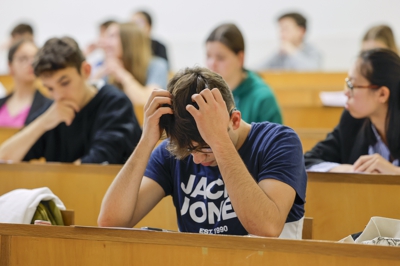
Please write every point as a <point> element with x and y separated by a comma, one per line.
<point>86,69</point>
<point>236,118</point>
<point>384,94</point>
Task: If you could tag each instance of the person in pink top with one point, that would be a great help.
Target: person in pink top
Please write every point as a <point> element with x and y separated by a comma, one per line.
<point>25,100</point>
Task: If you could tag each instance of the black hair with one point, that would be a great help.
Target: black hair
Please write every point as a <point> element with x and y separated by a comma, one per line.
<point>300,20</point>
<point>229,35</point>
<point>21,29</point>
<point>382,67</point>
<point>147,16</point>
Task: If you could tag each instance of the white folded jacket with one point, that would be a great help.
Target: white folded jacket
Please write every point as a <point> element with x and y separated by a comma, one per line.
<point>18,206</point>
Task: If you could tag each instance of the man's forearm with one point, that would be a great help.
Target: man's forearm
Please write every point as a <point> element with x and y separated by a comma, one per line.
<point>118,206</point>
<point>16,147</point>
<point>256,211</point>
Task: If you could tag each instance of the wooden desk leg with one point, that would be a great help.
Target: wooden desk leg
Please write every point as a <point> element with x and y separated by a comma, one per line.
<point>5,250</point>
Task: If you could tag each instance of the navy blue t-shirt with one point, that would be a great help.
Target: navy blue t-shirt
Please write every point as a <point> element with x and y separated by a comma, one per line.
<point>201,200</point>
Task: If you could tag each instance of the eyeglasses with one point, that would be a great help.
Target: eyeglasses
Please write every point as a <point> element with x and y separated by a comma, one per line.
<point>207,149</point>
<point>351,87</point>
<point>200,150</point>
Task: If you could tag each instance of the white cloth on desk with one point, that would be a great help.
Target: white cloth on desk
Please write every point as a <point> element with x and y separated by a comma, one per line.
<point>322,167</point>
<point>18,206</point>
<point>378,229</point>
<point>333,98</point>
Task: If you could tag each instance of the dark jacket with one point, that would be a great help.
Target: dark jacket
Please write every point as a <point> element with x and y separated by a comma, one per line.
<point>348,141</point>
<point>104,130</point>
<point>159,50</point>
<point>39,103</point>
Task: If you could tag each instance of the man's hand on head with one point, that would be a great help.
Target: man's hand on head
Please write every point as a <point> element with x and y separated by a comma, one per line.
<point>212,117</point>
<point>157,105</point>
<point>60,111</point>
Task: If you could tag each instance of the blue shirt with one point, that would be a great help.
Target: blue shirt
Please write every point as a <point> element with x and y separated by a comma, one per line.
<point>157,72</point>
<point>201,200</point>
<point>307,58</point>
<point>381,148</point>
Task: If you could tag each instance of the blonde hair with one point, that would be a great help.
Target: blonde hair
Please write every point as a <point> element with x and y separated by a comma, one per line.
<point>136,51</point>
<point>384,34</point>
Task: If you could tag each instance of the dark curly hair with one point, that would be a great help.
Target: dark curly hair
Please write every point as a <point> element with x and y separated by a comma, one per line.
<point>56,54</point>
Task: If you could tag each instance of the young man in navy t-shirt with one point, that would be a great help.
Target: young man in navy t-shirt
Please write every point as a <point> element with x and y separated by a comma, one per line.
<point>225,176</point>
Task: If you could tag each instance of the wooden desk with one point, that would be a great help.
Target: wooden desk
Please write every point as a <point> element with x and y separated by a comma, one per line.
<point>303,88</point>
<point>81,188</point>
<point>311,117</point>
<point>298,96</point>
<point>309,137</point>
<point>139,112</point>
<point>304,80</point>
<point>6,133</point>
<point>342,204</point>
<point>8,84</point>
<point>42,245</point>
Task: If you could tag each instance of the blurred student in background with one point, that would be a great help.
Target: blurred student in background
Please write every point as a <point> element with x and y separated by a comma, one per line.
<point>225,56</point>
<point>145,22</point>
<point>94,53</point>
<point>380,36</point>
<point>19,32</point>
<point>21,105</point>
<point>22,31</point>
<point>102,32</point>
<point>367,137</point>
<point>85,124</point>
<point>129,63</point>
<point>294,53</point>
